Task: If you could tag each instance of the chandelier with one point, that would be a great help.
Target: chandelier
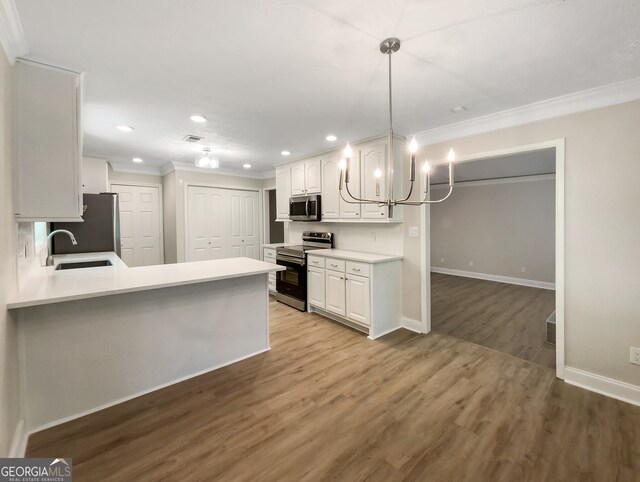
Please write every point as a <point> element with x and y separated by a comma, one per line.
<point>388,47</point>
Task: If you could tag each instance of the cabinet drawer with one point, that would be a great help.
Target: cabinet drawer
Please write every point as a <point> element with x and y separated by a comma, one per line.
<point>269,254</point>
<point>334,264</point>
<point>316,261</point>
<point>361,269</point>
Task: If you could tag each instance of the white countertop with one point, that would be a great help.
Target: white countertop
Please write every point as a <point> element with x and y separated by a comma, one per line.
<point>354,255</point>
<point>52,286</point>
<point>277,245</point>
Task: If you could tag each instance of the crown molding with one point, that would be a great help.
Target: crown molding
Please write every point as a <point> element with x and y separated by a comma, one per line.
<point>135,169</point>
<point>604,96</point>
<point>183,166</point>
<point>12,36</point>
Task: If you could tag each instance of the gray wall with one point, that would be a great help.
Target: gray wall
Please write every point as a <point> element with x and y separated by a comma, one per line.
<point>602,232</point>
<point>499,226</point>
<point>9,389</point>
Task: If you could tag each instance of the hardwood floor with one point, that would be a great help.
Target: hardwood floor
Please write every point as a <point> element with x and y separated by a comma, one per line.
<point>326,403</point>
<point>504,317</point>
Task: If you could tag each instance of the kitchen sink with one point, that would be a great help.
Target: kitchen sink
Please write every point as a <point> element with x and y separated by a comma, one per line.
<point>84,264</point>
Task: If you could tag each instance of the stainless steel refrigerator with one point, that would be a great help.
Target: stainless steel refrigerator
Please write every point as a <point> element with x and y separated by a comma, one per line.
<point>99,231</point>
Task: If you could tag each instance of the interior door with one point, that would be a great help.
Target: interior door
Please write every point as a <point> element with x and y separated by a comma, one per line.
<point>139,224</point>
<point>205,230</point>
<point>250,239</point>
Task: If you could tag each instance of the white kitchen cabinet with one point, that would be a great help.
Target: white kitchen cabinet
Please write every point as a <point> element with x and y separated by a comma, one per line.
<point>269,256</point>
<point>316,287</point>
<point>358,299</point>
<point>348,210</point>
<point>283,192</point>
<point>374,156</point>
<point>306,177</point>
<point>330,200</point>
<point>48,145</point>
<point>335,293</point>
<point>362,290</point>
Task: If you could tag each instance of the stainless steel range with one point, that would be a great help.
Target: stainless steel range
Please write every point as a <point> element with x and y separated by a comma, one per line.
<point>291,284</point>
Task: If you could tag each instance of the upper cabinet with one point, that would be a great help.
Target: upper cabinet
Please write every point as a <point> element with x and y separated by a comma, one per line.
<point>351,210</point>
<point>283,192</point>
<point>306,177</point>
<point>330,200</point>
<point>372,158</point>
<point>47,158</point>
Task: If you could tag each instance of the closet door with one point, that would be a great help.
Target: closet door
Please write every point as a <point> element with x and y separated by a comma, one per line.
<point>206,224</point>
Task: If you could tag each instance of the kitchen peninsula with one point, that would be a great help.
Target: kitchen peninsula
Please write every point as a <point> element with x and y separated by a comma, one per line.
<point>93,337</point>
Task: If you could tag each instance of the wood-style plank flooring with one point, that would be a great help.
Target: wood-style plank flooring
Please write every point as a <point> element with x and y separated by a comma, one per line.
<point>326,403</point>
<point>504,317</point>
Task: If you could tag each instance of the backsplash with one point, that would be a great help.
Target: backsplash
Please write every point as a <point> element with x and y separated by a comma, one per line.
<point>367,238</point>
<point>27,260</point>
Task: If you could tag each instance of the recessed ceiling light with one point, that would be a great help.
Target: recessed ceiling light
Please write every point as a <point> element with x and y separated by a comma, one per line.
<point>247,166</point>
<point>285,153</point>
<point>137,160</point>
<point>198,118</point>
<point>124,128</point>
<point>331,138</point>
<point>459,108</point>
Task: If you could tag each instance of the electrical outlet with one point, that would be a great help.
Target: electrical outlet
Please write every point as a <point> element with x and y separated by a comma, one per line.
<point>471,263</point>
<point>413,231</point>
<point>523,269</point>
<point>634,355</point>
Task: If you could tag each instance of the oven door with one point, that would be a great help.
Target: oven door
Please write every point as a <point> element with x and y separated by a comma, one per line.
<point>292,281</point>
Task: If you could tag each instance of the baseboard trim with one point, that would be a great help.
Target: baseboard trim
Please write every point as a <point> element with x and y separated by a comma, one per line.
<point>609,387</point>
<point>144,392</point>
<point>412,324</point>
<point>18,447</point>
<point>380,335</point>
<point>492,277</point>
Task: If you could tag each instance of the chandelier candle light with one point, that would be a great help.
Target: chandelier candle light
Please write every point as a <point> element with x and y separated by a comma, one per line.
<point>388,47</point>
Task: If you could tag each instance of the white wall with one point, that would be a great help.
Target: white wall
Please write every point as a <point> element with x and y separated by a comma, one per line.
<point>602,232</point>
<point>94,175</point>
<point>500,226</point>
<point>9,392</point>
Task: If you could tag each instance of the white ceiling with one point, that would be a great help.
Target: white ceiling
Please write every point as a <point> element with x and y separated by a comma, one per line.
<point>530,163</point>
<point>282,74</point>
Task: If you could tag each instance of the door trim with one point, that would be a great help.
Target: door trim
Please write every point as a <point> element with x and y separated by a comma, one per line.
<point>559,146</point>
<point>260,212</point>
<point>160,206</point>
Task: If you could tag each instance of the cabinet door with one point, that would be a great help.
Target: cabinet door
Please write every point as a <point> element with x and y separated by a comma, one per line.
<point>316,287</point>
<point>352,210</point>
<point>358,299</point>
<point>313,177</point>
<point>283,192</point>
<point>335,294</point>
<point>330,200</point>
<point>48,141</point>
<point>374,157</point>
<point>298,179</point>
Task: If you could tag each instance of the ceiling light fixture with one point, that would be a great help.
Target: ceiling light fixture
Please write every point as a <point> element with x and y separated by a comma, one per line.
<point>124,128</point>
<point>137,160</point>
<point>285,153</point>
<point>206,161</point>
<point>388,47</point>
<point>247,166</point>
<point>331,138</point>
<point>198,118</point>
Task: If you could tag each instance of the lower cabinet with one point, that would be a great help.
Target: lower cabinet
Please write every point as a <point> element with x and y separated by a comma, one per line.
<point>366,296</point>
<point>269,256</point>
<point>316,287</point>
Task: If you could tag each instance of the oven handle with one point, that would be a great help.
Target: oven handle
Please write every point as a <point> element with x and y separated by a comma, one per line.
<point>290,259</point>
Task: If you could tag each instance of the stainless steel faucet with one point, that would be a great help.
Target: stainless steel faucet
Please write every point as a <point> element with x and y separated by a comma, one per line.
<point>51,235</point>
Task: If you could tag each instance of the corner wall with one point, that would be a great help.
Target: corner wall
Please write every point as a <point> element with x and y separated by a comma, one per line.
<point>9,384</point>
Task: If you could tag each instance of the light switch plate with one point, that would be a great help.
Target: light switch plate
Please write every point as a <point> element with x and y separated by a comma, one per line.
<point>413,231</point>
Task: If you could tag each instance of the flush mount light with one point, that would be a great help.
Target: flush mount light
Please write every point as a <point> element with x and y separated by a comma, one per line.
<point>458,109</point>
<point>206,161</point>
<point>331,138</point>
<point>247,166</point>
<point>198,118</point>
<point>124,128</point>
<point>285,153</point>
<point>137,160</point>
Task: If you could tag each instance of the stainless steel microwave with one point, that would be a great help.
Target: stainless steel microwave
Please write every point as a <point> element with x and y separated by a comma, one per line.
<point>304,208</point>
